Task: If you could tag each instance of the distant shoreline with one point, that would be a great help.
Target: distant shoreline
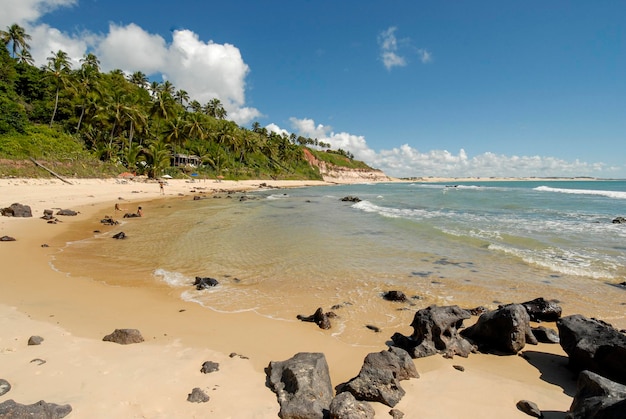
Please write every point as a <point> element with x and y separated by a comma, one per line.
<point>433,179</point>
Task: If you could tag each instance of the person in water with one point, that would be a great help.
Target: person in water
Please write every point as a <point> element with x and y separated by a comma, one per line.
<point>139,213</point>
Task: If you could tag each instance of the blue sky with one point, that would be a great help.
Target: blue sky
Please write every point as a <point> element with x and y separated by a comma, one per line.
<point>415,88</point>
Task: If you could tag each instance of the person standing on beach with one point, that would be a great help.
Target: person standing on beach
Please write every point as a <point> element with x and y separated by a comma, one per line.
<point>161,187</point>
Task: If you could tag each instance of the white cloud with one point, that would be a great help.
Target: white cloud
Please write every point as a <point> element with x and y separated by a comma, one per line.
<point>206,70</point>
<point>406,161</point>
<point>24,12</point>
<point>278,130</point>
<point>388,47</point>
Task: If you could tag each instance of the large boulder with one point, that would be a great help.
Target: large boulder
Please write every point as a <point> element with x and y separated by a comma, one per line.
<point>506,329</point>
<point>597,398</point>
<point>436,330</point>
<point>380,375</point>
<point>17,210</point>
<point>544,310</point>
<point>302,386</point>
<point>593,345</point>
<point>13,410</point>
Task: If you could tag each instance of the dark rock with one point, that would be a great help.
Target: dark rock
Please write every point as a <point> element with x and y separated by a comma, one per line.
<point>119,236</point>
<point>319,317</point>
<point>540,309</point>
<point>345,406</point>
<point>7,239</point>
<point>435,330</point>
<point>477,311</point>
<point>395,296</point>
<point>38,361</point>
<point>506,329</point>
<point>302,386</point>
<point>198,396</point>
<point>529,408</point>
<point>5,387</point>
<point>17,210</point>
<point>35,340</point>
<point>202,283</point>
<point>597,398</point>
<point>48,214</point>
<point>619,220</point>
<point>109,221</point>
<point>210,366</point>
<point>593,345</point>
<point>350,199</point>
<point>380,376</point>
<point>459,368</point>
<point>372,327</point>
<point>124,336</point>
<point>67,212</point>
<point>40,410</point>
<point>396,414</point>
<point>545,335</point>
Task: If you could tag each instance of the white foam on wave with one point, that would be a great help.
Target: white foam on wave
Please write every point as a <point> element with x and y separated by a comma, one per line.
<point>608,194</point>
<point>562,262</point>
<point>278,196</point>
<point>409,213</point>
<point>173,279</point>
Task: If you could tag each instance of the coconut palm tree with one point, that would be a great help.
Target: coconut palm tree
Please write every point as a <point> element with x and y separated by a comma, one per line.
<point>58,69</point>
<point>139,79</point>
<point>215,109</point>
<point>87,82</point>
<point>17,36</point>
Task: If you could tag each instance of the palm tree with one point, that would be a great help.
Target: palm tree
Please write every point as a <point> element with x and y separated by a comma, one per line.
<point>16,35</point>
<point>139,79</point>
<point>25,57</point>
<point>87,82</point>
<point>158,158</point>
<point>181,97</point>
<point>59,69</point>
<point>215,109</point>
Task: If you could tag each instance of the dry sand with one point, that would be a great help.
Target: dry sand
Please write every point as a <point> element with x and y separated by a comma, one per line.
<point>152,379</point>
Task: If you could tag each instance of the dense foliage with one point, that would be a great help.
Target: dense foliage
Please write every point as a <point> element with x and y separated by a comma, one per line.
<point>78,117</point>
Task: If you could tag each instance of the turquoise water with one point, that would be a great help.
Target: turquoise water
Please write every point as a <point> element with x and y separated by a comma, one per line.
<point>286,252</point>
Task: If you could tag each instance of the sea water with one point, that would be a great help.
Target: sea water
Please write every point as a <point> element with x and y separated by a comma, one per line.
<point>286,252</point>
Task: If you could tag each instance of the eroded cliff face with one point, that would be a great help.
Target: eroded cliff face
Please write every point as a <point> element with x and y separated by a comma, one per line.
<point>332,173</point>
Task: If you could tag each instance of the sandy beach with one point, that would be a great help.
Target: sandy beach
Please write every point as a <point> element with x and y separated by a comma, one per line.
<point>152,379</point>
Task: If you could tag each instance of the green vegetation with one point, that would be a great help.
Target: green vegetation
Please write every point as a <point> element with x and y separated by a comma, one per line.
<point>85,123</point>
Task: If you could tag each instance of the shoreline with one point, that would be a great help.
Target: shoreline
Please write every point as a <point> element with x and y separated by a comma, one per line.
<point>101,379</point>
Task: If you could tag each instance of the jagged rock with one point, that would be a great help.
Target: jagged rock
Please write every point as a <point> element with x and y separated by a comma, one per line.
<point>119,236</point>
<point>597,398</point>
<point>203,283</point>
<point>48,214</point>
<point>436,330</point>
<point>17,210</point>
<point>540,309</point>
<point>7,239</point>
<point>210,366</point>
<point>198,396</point>
<point>529,408</point>
<point>109,221</point>
<point>35,340</point>
<point>67,212</point>
<point>395,296</point>
<point>545,335</point>
<point>319,317</point>
<point>350,198</point>
<point>396,414</point>
<point>124,336</point>
<point>5,387</point>
<point>302,386</point>
<point>506,329</point>
<point>593,345</point>
<point>42,410</point>
<point>345,406</point>
<point>380,376</point>
<point>619,220</point>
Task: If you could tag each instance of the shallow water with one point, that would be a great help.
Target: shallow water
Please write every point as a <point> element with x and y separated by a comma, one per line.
<point>282,253</point>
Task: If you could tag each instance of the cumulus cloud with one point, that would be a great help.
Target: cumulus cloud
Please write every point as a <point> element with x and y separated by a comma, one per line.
<point>406,161</point>
<point>206,70</point>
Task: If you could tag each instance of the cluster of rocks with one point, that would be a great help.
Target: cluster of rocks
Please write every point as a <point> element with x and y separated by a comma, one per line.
<point>303,387</point>
<point>596,352</point>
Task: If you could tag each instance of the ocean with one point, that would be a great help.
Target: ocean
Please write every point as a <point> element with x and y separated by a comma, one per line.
<point>285,252</point>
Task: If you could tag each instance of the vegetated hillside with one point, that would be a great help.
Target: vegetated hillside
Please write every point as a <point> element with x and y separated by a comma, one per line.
<point>85,123</point>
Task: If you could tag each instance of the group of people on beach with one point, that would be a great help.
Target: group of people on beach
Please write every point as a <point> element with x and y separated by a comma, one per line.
<point>139,212</point>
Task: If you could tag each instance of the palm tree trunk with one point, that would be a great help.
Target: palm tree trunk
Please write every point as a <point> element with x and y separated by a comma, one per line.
<point>56,104</point>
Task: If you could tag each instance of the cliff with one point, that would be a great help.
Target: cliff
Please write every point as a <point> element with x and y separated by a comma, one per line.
<point>341,174</point>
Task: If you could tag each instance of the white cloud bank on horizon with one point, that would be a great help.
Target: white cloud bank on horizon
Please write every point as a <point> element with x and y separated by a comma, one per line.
<point>206,70</point>
<point>406,161</point>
